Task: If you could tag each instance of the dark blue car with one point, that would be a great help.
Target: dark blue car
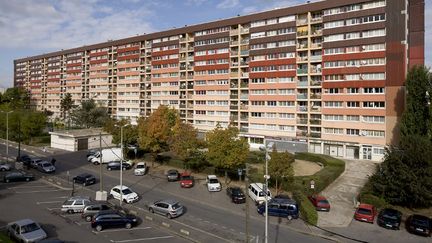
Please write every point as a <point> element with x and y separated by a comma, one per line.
<point>280,207</point>
<point>113,219</point>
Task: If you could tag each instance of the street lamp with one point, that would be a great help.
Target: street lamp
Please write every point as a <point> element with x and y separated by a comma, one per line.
<point>121,164</point>
<point>7,134</point>
<point>266,177</point>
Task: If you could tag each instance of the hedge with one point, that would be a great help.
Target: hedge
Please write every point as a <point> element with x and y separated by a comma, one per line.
<point>366,195</point>
<point>307,210</point>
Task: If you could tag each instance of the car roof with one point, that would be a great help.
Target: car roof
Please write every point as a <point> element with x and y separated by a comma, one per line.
<point>185,174</point>
<point>366,206</point>
<point>122,187</point>
<point>258,184</point>
<point>141,163</point>
<point>85,175</point>
<point>418,216</point>
<point>23,222</point>
<point>284,201</point>
<point>391,211</point>
<point>211,177</point>
<point>168,201</point>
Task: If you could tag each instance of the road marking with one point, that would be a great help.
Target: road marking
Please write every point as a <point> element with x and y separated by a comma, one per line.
<point>202,231</point>
<point>26,187</point>
<point>144,239</point>
<point>223,227</point>
<point>50,209</point>
<point>115,230</point>
<point>38,203</point>
<point>56,190</point>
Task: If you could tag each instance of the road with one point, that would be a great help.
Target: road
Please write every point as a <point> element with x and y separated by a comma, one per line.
<point>210,217</point>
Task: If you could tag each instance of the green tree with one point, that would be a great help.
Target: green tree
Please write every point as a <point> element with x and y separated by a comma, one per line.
<point>130,132</point>
<point>16,98</point>
<point>66,105</point>
<point>280,168</point>
<point>226,150</point>
<point>155,131</point>
<point>89,114</point>
<point>184,141</point>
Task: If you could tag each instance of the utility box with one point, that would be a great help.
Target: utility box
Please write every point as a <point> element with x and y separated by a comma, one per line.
<point>101,195</point>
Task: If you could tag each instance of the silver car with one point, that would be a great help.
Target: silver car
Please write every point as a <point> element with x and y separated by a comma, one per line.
<point>169,208</point>
<point>75,204</point>
<point>25,230</point>
<point>46,167</point>
<point>5,166</point>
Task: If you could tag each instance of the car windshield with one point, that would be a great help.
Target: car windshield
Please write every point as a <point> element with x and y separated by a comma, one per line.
<point>29,228</point>
<point>323,201</point>
<point>176,206</point>
<point>237,192</point>
<point>420,222</point>
<point>126,191</point>
<point>186,177</point>
<point>46,165</point>
<point>213,181</point>
<point>364,211</point>
<point>391,218</point>
<point>140,166</point>
<point>172,173</point>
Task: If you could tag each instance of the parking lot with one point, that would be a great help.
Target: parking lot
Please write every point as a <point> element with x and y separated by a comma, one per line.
<point>41,201</point>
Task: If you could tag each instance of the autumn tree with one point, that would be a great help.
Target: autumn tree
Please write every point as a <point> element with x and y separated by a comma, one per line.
<point>280,167</point>
<point>226,150</point>
<point>130,132</point>
<point>184,141</point>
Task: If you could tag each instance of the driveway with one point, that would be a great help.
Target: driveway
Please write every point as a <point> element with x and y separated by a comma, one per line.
<point>343,191</point>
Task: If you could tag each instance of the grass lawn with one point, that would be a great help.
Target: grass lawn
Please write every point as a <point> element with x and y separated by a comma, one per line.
<point>4,238</point>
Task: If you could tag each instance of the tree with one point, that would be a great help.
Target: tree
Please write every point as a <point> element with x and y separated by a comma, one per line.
<point>130,132</point>
<point>66,104</point>
<point>184,140</point>
<point>280,167</point>
<point>89,114</point>
<point>225,149</point>
<point>16,98</point>
<point>155,131</point>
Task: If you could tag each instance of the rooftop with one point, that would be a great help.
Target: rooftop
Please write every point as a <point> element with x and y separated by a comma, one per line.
<point>80,132</point>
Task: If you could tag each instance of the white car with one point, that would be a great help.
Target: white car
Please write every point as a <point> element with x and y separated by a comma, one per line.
<point>140,169</point>
<point>128,195</point>
<point>213,184</point>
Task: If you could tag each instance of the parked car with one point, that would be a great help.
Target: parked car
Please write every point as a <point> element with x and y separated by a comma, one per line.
<point>105,220</point>
<point>213,184</point>
<point>46,167</point>
<point>140,169</point>
<point>389,218</point>
<point>5,166</point>
<point>17,176</point>
<point>91,210</point>
<point>280,207</point>
<point>186,180</point>
<point>34,162</point>
<point>256,191</point>
<point>419,224</point>
<point>24,158</point>
<point>115,165</point>
<point>25,230</point>
<point>124,193</point>
<point>169,208</point>
<point>91,152</point>
<point>320,202</point>
<point>75,204</point>
<point>85,179</point>
<point>236,194</point>
<point>173,175</point>
<point>365,212</point>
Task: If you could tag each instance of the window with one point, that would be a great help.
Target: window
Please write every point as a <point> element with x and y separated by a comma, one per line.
<point>257,114</point>
<point>286,115</point>
<point>353,132</point>
<point>333,117</point>
<point>271,103</point>
<point>334,24</point>
<point>352,104</point>
<point>374,104</point>
<point>257,35</point>
<point>286,19</point>
<point>353,35</point>
<point>331,130</point>
<point>333,104</point>
<point>352,90</point>
<point>379,151</point>
<point>374,119</point>
<point>353,118</point>
<point>373,33</point>
<point>330,38</point>
<point>373,76</point>
<point>379,90</point>
<point>373,133</point>
<point>258,23</point>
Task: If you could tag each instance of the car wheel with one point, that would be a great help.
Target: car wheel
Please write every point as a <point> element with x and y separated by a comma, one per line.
<point>124,200</point>
<point>27,179</point>
<point>264,214</point>
<point>84,183</point>
<point>169,216</point>
<point>128,225</point>
<point>70,211</point>
<point>290,217</point>
<point>109,168</point>
<point>123,168</point>
<point>151,210</point>
<point>7,180</point>
<point>3,169</point>
<point>88,218</point>
<point>99,228</point>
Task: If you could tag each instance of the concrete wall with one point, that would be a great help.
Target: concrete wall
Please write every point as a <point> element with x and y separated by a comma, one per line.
<point>61,142</point>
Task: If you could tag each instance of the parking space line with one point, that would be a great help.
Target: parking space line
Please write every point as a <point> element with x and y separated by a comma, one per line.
<point>19,187</point>
<point>143,239</point>
<point>50,209</point>
<point>56,190</point>
<point>38,203</point>
<point>115,230</point>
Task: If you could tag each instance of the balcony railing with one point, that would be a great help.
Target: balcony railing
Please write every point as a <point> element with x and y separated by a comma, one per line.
<point>233,96</point>
<point>301,96</point>
<point>302,121</point>
<point>302,71</point>
<point>302,83</point>
<point>301,21</point>
<point>315,96</point>
<point>315,108</point>
<point>244,52</point>
<point>302,33</point>
<point>315,135</point>
<point>302,108</point>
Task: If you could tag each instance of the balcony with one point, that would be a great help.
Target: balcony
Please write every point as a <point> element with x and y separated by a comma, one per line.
<point>244,118</point>
<point>315,83</point>
<point>234,53</point>
<point>244,96</point>
<point>302,46</point>
<point>234,32</point>
<point>302,109</point>
<point>302,71</point>
<point>302,33</point>
<point>234,64</point>
<point>316,58</point>
<point>233,107</point>
<point>244,53</point>
<point>315,135</point>
<point>234,43</point>
<point>244,129</point>
<point>302,96</point>
<point>301,133</point>
<point>317,32</point>
<point>244,84</point>
<point>302,59</point>
<point>233,96</point>
<point>234,74</point>
<point>315,96</point>
<point>301,21</point>
<point>302,84</point>
<point>244,31</point>
<point>315,109</point>
<point>315,121</point>
<point>316,45</point>
<point>302,121</point>
<point>245,75</point>
<point>243,107</point>
<point>315,20</point>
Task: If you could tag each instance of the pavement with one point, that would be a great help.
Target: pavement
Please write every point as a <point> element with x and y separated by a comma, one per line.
<point>343,191</point>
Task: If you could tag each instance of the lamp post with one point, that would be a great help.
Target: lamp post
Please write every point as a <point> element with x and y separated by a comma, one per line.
<point>121,166</point>
<point>266,177</point>
<point>7,134</point>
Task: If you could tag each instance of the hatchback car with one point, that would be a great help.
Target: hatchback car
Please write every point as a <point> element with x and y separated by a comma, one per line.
<point>75,204</point>
<point>236,194</point>
<point>168,208</point>
<point>124,193</point>
<point>85,179</point>
<point>46,167</point>
<point>213,184</point>
<point>320,202</point>
<point>419,224</point>
<point>186,180</point>
<point>389,218</point>
<point>287,208</point>
<point>17,176</point>
<point>105,220</point>
<point>173,175</point>
<point>115,165</point>
<point>25,230</point>
<point>5,166</point>
<point>140,169</point>
<point>365,212</point>
<point>93,209</point>
<point>35,161</point>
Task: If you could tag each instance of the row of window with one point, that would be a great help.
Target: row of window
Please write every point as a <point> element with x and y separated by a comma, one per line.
<point>272,115</point>
<point>365,90</point>
<point>211,82</point>
<point>273,56</point>
<point>169,38</point>
<point>165,75</point>
<point>169,65</point>
<point>355,118</point>
<point>211,62</point>
<point>212,31</point>
<point>271,91</point>
<point>212,113</point>
<point>273,80</point>
<point>273,68</point>
<point>212,72</point>
<point>273,44</point>
<point>211,92</point>
<point>259,126</point>
<point>354,104</point>
<point>165,48</point>
<point>355,7</point>
<point>283,19</point>
<point>355,35</point>
<point>354,132</point>
<point>355,21</point>
<point>363,76</point>
<point>166,57</point>
<point>212,52</point>
<point>355,63</point>
<point>212,41</point>
<point>273,103</point>
<point>270,33</point>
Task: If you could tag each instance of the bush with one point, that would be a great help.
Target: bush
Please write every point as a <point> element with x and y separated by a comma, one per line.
<point>256,157</point>
<point>378,202</point>
<point>307,211</point>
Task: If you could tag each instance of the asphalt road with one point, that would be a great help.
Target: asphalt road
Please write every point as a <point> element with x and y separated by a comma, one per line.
<point>210,217</point>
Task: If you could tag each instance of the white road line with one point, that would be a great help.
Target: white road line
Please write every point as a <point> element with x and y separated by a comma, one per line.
<point>19,187</point>
<point>109,231</point>
<point>205,221</point>
<point>144,239</point>
<point>56,190</point>
<point>38,203</point>
<point>50,209</point>
<point>202,231</point>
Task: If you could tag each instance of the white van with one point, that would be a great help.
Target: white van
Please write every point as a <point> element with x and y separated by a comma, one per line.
<point>256,192</point>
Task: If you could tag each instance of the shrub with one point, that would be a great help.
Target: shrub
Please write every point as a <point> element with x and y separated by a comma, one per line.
<point>256,157</point>
<point>378,202</point>
<point>307,211</point>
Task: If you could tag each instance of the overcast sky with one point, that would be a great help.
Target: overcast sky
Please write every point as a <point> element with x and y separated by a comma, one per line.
<point>32,27</point>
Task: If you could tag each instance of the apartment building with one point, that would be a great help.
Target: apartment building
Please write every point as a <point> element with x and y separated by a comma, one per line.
<point>326,75</point>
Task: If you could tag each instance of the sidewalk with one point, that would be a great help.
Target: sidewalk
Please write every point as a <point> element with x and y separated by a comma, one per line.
<point>37,151</point>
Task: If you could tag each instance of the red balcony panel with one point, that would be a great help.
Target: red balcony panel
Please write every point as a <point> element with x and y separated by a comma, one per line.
<point>73,71</point>
<point>276,74</point>
<point>133,56</point>
<point>96,54</point>
<point>161,62</point>
<point>53,73</point>
<point>126,49</point>
<point>165,52</point>
<point>211,67</point>
<point>350,70</point>
<point>272,62</point>
<point>353,84</point>
<point>35,81</point>
<point>98,61</point>
<point>53,79</point>
<point>74,64</point>
<point>211,57</point>
<point>354,56</point>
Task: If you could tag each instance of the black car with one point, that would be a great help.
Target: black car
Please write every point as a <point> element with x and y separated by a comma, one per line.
<point>115,165</point>
<point>17,176</point>
<point>91,210</point>
<point>85,179</point>
<point>389,218</point>
<point>24,158</point>
<point>419,224</point>
<point>236,194</point>
<point>113,220</point>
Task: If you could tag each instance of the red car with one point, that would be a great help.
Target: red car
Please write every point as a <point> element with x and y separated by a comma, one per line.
<point>366,213</point>
<point>186,180</point>
<point>320,202</point>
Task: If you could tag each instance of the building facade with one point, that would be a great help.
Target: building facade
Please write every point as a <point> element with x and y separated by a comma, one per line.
<point>328,74</point>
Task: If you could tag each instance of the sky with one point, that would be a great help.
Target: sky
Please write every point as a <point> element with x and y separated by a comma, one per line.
<point>33,27</point>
